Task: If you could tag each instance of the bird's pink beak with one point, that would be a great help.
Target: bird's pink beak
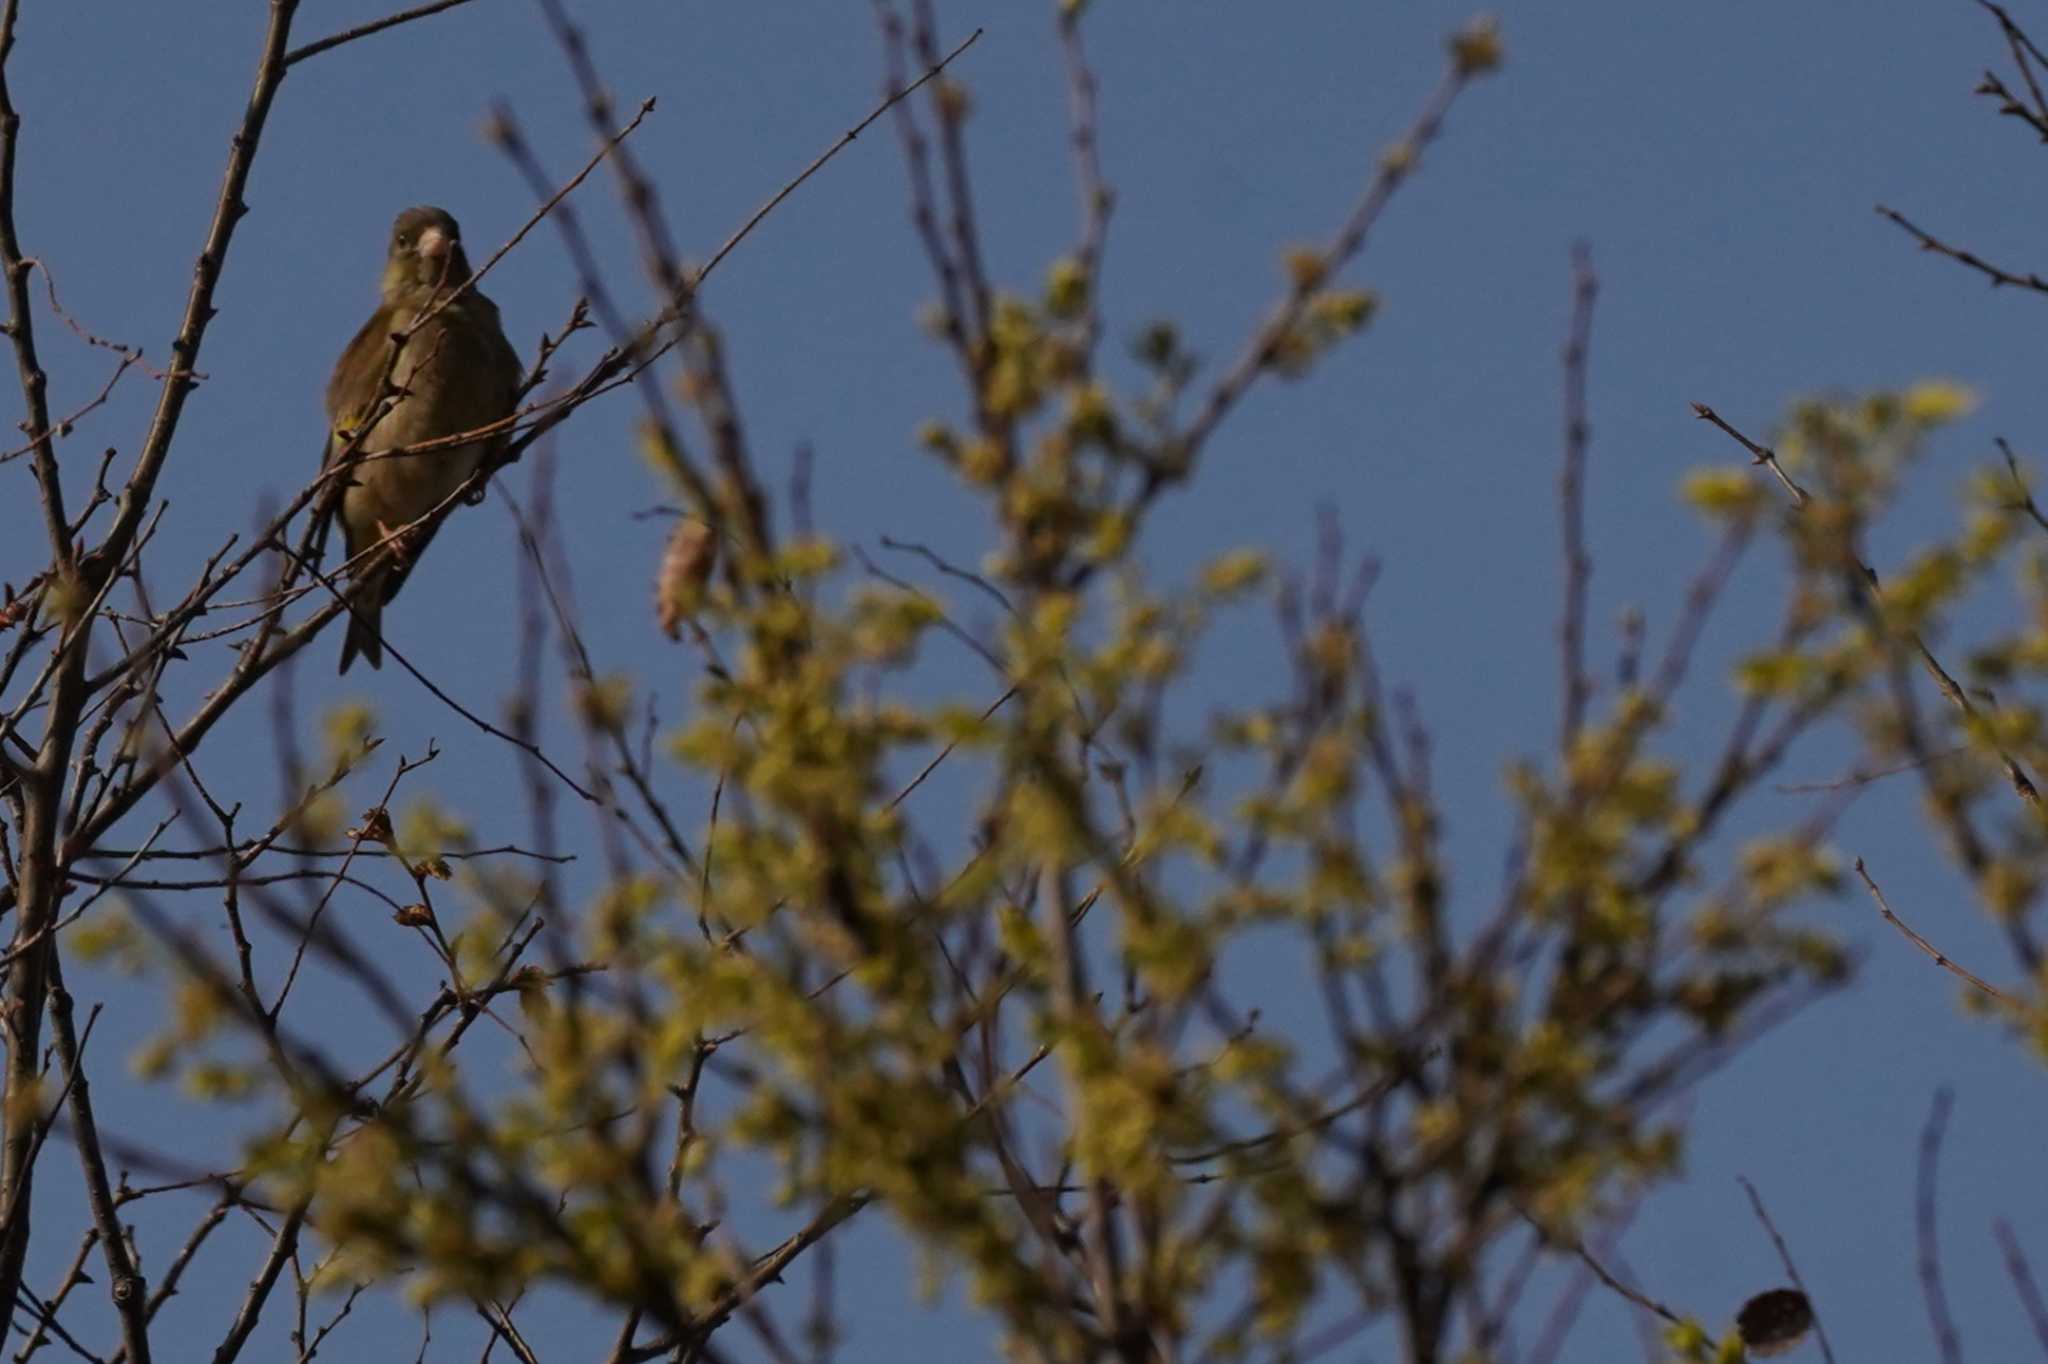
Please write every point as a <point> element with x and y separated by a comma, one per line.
<point>434,243</point>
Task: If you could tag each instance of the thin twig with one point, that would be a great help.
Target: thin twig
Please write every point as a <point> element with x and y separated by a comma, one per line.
<point>1998,275</point>
<point>1636,1296</point>
<point>2023,1280</point>
<point>349,35</point>
<point>1864,582</point>
<point>1578,565</point>
<point>1929,1253</point>
<point>1761,454</point>
<point>1756,1202</point>
<point>1939,957</point>
<point>851,133</point>
<point>127,1289</point>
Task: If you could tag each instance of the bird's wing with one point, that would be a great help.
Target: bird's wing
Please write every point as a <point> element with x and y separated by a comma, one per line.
<point>508,371</point>
<point>359,373</point>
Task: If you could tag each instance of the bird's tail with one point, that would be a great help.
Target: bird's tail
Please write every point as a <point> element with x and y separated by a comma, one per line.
<point>364,624</point>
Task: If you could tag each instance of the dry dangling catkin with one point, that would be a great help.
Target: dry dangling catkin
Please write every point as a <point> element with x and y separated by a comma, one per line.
<point>685,570</point>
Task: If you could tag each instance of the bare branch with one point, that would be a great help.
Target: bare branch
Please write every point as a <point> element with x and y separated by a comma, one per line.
<point>1939,958</point>
<point>1929,1248</point>
<point>332,41</point>
<point>1578,566</point>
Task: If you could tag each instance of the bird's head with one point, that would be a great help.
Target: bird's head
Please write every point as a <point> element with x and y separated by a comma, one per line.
<point>426,254</point>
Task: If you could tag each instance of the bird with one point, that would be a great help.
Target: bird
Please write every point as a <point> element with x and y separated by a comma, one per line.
<point>455,372</point>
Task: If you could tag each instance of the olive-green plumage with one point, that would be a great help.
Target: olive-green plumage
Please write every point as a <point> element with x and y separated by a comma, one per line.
<point>456,373</point>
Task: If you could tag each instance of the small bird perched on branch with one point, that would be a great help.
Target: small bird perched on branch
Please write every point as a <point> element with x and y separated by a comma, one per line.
<point>454,371</point>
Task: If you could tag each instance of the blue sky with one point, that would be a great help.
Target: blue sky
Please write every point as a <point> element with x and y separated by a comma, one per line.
<point>1722,160</point>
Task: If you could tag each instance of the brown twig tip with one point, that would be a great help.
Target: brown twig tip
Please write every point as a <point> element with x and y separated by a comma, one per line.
<point>360,31</point>
<point>1758,454</point>
<point>1996,275</point>
<point>1935,954</point>
<point>894,98</point>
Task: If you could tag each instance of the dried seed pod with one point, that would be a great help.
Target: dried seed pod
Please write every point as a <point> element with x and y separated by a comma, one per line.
<point>685,570</point>
<point>375,828</point>
<point>1774,1322</point>
<point>414,916</point>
